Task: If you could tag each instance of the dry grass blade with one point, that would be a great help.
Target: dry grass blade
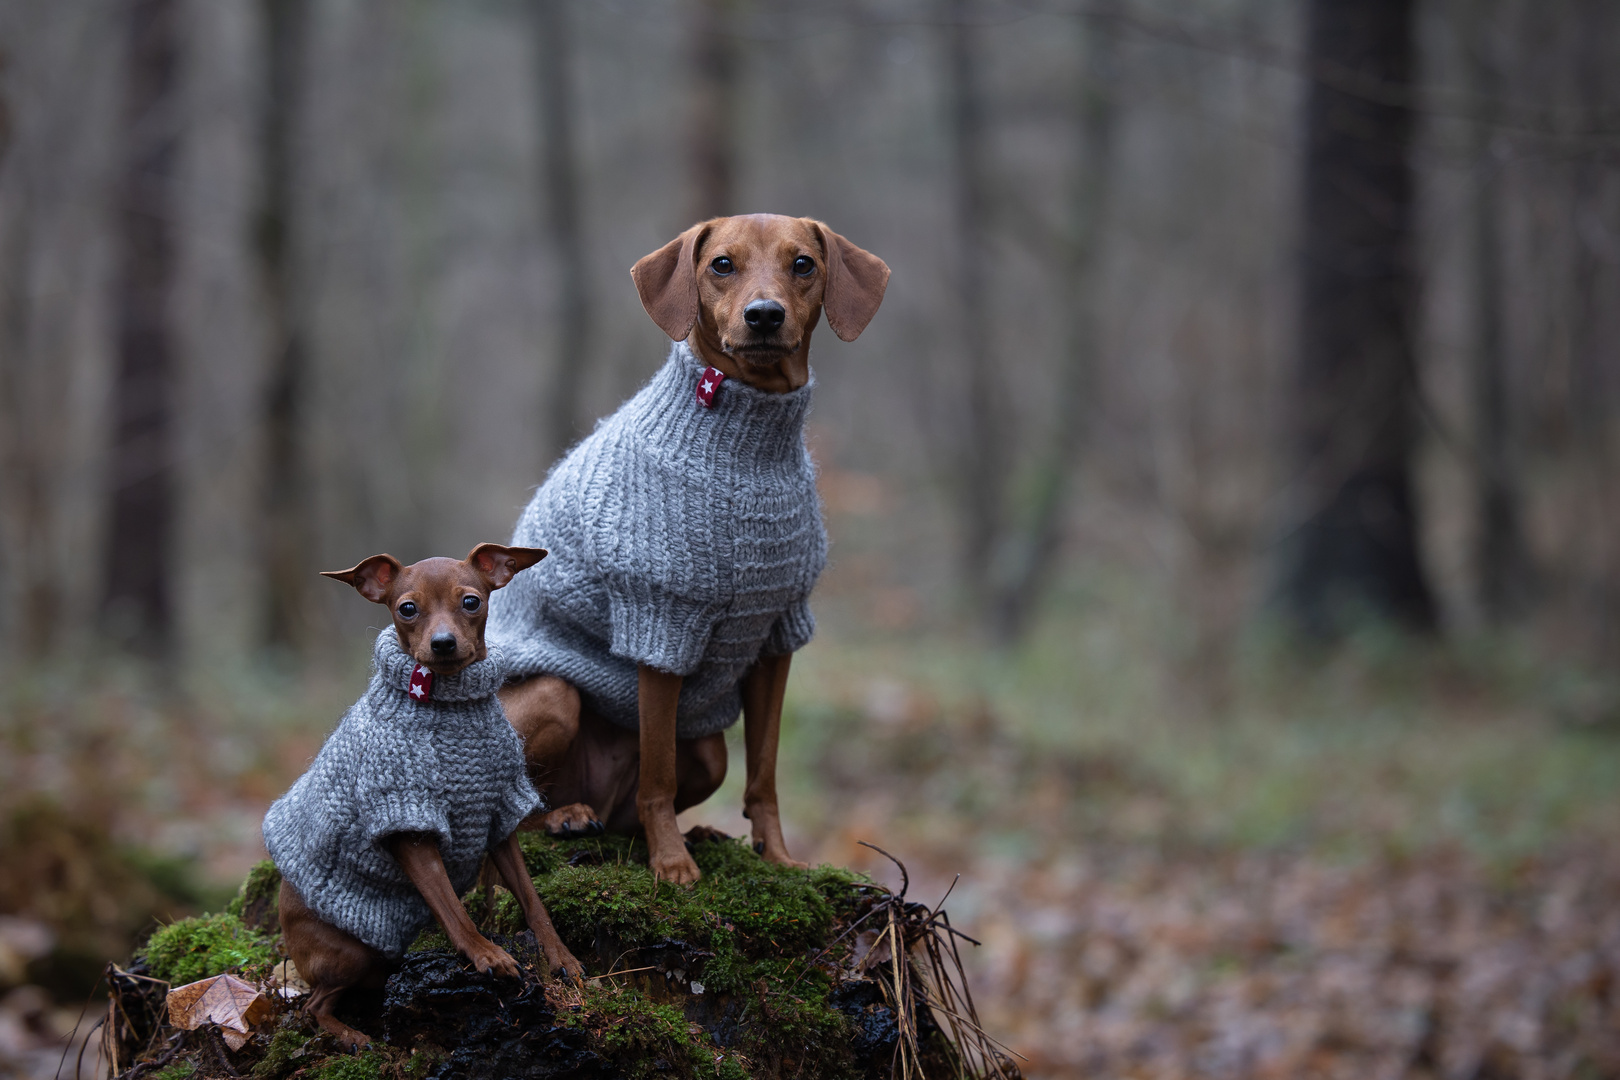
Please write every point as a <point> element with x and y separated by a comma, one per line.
<point>914,932</point>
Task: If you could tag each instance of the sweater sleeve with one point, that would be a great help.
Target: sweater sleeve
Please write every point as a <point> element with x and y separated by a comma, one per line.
<point>398,787</point>
<point>518,800</point>
<point>654,626</point>
<point>792,631</point>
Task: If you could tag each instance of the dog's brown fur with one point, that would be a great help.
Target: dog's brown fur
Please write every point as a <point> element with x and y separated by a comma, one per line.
<point>643,779</point>
<point>428,601</point>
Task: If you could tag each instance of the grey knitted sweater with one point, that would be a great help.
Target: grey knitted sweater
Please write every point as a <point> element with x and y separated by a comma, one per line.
<point>450,765</point>
<point>681,537</point>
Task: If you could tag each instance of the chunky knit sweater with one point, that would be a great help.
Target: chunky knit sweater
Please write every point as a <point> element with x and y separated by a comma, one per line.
<point>450,765</point>
<point>681,537</point>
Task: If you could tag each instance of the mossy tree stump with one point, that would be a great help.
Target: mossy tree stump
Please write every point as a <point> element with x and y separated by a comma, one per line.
<point>757,971</point>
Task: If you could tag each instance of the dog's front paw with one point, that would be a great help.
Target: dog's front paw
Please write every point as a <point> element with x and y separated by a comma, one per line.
<point>573,820</point>
<point>490,959</point>
<point>777,855</point>
<point>562,962</point>
<point>675,867</point>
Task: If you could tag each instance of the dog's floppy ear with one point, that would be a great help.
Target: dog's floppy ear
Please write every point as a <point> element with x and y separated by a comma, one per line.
<point>666,281</point>
<point>498,565</point>
<point>855,283</point>
<point>372,578</point>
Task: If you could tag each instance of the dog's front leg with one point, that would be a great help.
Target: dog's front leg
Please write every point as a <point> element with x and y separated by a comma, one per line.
<point>508,859</point>
<point>418,855</point>
<point>763,689</point>
<point>659,692</point>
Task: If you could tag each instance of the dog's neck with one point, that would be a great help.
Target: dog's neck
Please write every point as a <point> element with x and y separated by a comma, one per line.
<point>741,422</point>
<point>394,667</point>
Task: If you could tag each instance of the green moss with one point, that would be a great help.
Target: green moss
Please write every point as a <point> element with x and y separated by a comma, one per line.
<point>644,1038</point>
<point>178,1071</point>
<point>262,886</point>
<point>367,1065</point>
<point>420,1063</point>
<point>193,949</point>
<point>788,1019</point>
<point>431,938</point>
<point>742,902</point>
<point>278,1059</point>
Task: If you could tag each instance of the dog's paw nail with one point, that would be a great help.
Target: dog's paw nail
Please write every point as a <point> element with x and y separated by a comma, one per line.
<point>595,828</point>
<point>759,847</point>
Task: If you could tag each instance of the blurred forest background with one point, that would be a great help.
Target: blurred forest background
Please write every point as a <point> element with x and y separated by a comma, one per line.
<point>1225,503</point>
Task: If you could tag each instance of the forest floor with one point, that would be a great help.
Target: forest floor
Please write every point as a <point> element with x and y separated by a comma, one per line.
<point>1391,861</point>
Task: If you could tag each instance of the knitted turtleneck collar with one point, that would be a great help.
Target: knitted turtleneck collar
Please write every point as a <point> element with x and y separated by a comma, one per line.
<point>772,425</point>
<point>477,680</point>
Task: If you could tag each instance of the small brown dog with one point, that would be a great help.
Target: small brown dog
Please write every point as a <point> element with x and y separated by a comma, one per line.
<point>420,780</point>
<point>622,716</point>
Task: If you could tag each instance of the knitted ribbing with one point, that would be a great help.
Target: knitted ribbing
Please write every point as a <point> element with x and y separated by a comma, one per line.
<point>451,766</point>
<point>681,537</point>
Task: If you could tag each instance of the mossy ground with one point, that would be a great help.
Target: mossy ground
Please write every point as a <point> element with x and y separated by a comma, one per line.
<point>731,978</point>
<point>204,945</point>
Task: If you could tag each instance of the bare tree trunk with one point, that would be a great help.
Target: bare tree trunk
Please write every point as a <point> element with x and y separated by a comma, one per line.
<point>137,604</point>
<point>714,79</point>
<point>30,629</point>
<point>1501,559</point>
<point>982,454</point>
<point>564,219</point>
<point>1025,558</point>
<point>285,511</point>
<point>1353,552</point>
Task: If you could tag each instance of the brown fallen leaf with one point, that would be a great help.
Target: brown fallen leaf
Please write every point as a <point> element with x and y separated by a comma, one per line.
<point>870,951</point>
<point>233,1004</point>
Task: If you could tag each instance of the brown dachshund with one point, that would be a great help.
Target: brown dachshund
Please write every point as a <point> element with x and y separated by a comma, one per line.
<point>745,294</point>
<point>439,608</point>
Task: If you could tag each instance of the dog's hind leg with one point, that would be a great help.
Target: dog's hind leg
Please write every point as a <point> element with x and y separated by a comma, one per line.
<point>545,712</point>
<point>330,960</point>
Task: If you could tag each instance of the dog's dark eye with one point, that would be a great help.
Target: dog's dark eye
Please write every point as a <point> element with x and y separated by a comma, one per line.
<point>804,266</point>
<point>407,610</point>
<point>722,266</point>
<point>469,602</point>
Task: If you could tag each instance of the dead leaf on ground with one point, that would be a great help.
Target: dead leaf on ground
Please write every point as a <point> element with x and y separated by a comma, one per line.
<point>232,1003</point>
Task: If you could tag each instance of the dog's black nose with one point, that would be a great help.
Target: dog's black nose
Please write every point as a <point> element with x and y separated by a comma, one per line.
<point>764,315</point>
<point>443,644</point>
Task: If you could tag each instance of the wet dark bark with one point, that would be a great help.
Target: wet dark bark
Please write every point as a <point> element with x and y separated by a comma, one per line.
<point>563,219</point>
<point>137,592</point>
<point>285,513</point>
<point>1352,551</point>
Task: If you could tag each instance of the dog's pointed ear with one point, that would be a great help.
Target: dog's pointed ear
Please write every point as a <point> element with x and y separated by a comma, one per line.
<point>372,578</point>
<point>856,280</point>
<point>498,564</point>
<point>666,281</point>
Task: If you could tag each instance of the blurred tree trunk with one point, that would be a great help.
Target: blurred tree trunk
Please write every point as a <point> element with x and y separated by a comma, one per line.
<point>714,83</point>
<point>1592,383</point>
<point>563,218</point>
<point>982,455</point>
<point>1353,550</point>
<point>1501,559</point>
<point>1024,559</point>
<point>137,603</point>
<point>31,628</point>
<point>285,511</point>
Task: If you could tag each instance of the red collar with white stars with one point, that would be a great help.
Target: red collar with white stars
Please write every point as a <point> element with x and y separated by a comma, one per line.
<point>421,683</point>
<point>708,384</point>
